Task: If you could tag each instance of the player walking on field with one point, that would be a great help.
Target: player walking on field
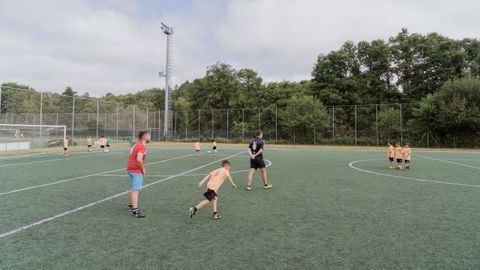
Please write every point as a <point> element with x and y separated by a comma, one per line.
<point>407,153</point>
<point>89,143</point>
<point>216,179</point>
<point>399,155</point>
<point>102,143</point>
<point>255,150</point>
<point>65,146</point>
<point>391,155</point>
<point>197,147</point>
<point>136,171</point>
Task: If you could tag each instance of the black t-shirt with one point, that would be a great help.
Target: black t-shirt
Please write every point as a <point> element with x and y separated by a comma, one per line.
<point>255,145</point>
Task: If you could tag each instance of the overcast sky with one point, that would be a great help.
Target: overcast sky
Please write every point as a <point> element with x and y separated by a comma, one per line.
<point>117,46</point>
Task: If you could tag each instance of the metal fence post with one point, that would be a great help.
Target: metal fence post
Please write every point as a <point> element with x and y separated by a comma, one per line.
<point>97,118</point>
<point>355,124</point>
<point>243,124</point>
<point>212,122</point>
<point>199,124</point>
<point>105,125</point>
<point>159,124</point>
<point>41,114</point>
<point>186,125</point>
<point>314,127</point>
<point>294,131</point>
<point>333,124</point>
<point>133,123</point>
<point>147,120</point>
<point>116,125</point>
<point>227,125</point>
<point>401,125</point>
<point>276,123</point>
<point>259,123</point>
<point>376,121</point>
<point>73,117</point>
<point>175,125</point>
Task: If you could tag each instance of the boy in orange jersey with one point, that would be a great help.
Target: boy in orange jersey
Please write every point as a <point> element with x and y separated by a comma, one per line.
<point>407,155</point>
<point>65,146</point>
<point>391,155</point>
<point>214,145</point>
<point>197,147</point>
<point>216,179</point>
<point>399,155</point>
<point>102,143</point>
<point>89,143</point>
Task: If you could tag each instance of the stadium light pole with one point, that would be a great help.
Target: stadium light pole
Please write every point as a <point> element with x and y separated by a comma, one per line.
<point>167,30</point>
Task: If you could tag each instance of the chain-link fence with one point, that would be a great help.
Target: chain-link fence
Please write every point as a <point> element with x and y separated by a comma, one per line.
<point>373,124</point>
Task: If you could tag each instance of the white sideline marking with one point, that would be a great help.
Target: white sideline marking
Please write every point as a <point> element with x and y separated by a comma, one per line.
<point>40,222</point>
<point>85,176</point>
<point>269,163</point>
<point>451,162</point>
<point>57,159</point>
<point>405,177</point>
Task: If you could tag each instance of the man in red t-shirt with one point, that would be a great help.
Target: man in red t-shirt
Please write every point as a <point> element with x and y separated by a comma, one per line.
<point>136,170</point>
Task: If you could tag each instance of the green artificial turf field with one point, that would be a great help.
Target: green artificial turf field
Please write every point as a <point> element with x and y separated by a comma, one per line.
<point>328,209</point>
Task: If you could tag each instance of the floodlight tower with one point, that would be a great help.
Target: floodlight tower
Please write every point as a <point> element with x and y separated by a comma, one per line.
<point>167,30</point>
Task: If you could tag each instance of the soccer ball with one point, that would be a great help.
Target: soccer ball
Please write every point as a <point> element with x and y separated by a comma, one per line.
<point>209,152</point>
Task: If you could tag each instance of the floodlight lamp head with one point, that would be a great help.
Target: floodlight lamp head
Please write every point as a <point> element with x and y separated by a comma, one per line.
<point>167,30</point>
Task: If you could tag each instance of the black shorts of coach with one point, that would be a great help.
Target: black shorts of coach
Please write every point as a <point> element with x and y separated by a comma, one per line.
<point>257,163</point>
<point>210,194</point>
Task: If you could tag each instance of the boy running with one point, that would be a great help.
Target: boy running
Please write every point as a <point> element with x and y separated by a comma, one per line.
<point>197,147</point>
<point>216,179</point>
<point>255,150</point>
<point>101,141</point>
<point>65,146</point>
<point>214,145</point>
<point>407,151</point>
<point>89,143</point>
<point>391,155</point>
<point>107,144</point>
<point>136,171</point>
<point>399,155</point>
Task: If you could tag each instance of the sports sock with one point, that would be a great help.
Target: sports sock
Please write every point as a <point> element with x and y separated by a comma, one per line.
<point>195,209</point>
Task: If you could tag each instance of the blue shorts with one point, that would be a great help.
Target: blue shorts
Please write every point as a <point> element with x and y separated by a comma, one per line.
<point>137,180</point>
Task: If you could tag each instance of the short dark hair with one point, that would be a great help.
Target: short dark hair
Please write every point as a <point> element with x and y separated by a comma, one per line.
<point>225,162</point>
<point>142,133</point>
<point>258,132</point>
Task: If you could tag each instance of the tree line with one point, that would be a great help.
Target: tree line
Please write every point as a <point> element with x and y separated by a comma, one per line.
<point>435,78</point>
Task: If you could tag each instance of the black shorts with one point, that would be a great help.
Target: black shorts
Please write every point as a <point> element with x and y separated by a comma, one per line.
<point>89,145</point>
<point>210,194</point>
<point>108,145</point>
<point>407,161</point>
<point>64,148</point>
<point>257,163</point>
<point>399,160</point>
<point>196,150</point>
<point>102,146</point>
<point>391,159</point>
<point>214,148</point>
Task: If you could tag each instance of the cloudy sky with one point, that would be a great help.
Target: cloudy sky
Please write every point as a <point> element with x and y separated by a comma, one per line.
<point>117,46</point>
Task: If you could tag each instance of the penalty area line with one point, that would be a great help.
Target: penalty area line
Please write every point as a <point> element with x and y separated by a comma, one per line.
<point>40,222</point>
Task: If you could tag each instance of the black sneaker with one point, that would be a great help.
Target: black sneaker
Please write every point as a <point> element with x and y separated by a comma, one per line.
<point>138,214</point>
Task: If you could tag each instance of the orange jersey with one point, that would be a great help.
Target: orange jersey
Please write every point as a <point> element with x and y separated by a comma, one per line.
<point>214,143</point>
<point>390,152</point>
<point>399,152</point>
<point>217,178</point>
<point>197,146</point>
<point>407,152</point>
<point>101,141</point>
<point>89,141</point>
<point>65,143</point>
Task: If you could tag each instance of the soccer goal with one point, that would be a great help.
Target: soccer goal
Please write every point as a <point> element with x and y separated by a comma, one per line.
<point>24,137</point>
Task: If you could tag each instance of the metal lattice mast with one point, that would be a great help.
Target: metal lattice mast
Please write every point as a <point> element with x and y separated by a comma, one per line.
<point>168,30</point>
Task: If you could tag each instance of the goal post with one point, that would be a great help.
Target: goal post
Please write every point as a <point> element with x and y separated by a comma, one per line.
<point>24,137</point>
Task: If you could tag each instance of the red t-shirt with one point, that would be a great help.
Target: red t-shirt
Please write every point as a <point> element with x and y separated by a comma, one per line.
<point>132,165</point>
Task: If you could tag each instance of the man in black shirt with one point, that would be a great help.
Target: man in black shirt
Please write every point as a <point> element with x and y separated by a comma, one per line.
<point>255,150</point>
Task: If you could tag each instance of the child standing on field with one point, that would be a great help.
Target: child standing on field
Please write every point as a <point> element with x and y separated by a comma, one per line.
<point>399,155</point>
<point>89,143</point>
<point>214,145</point>
<point>65,146</point>
<point>391,155</point>
<point>216,179</point>
<point>197,147</point>
<point>407,152</point>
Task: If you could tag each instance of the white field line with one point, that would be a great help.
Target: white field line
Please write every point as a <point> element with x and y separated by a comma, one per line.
<point>451,162</point>
<point>351,165</point>
<point>269,163</point>
<point>40,222</point>
<point>85,176</point>
<point>57,159</point>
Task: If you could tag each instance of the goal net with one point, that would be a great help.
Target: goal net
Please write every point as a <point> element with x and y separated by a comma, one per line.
<point>23,137</point>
